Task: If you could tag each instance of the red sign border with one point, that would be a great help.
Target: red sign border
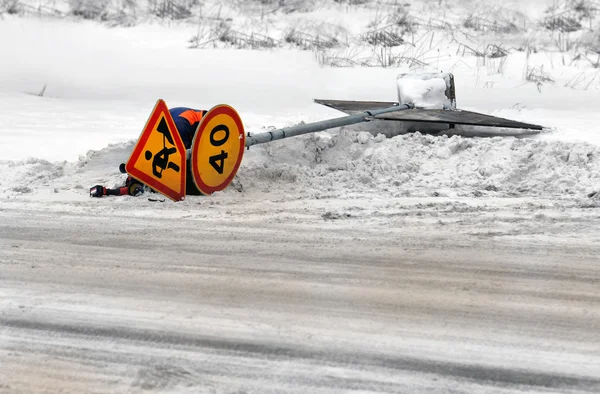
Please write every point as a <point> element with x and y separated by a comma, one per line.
<point>159,109</point>
<point>222,109</point>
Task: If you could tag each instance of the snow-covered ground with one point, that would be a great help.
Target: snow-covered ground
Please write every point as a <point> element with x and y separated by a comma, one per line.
<point>369,238</point>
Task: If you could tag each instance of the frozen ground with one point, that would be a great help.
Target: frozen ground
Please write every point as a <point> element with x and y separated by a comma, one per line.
<point>338,262</point>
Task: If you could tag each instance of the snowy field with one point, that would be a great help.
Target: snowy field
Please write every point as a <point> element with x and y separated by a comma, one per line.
<point>337,262</point>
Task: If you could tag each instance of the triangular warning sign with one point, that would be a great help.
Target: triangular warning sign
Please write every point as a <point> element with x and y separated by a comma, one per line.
<point>159,157</point>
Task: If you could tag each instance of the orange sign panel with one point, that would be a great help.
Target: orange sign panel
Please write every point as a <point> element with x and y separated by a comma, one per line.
<point>217,149</point>
<point>159,157</point>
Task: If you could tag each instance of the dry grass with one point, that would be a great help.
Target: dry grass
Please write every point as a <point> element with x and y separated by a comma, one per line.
<point>396,33</point>
<point>222,35</point>
<point>16,7</point>
<point>537,76</point>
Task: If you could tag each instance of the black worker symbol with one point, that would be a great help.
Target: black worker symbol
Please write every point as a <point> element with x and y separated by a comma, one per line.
<point>160,161</point>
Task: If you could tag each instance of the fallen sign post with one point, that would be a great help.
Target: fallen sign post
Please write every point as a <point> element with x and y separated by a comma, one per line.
<point>427,101</point>
<point>293,131</point>
<point>322,125</point>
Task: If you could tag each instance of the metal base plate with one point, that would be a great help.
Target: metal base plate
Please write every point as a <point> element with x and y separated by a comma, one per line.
<point>451,117</point>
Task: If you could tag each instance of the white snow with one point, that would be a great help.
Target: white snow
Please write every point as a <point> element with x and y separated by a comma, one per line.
<point>423,90</point>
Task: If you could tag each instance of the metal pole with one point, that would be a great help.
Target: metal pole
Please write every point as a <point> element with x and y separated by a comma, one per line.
<point>321,125</point>
<point>293,131</point>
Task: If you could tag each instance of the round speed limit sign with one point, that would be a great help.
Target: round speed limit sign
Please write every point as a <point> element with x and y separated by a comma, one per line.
<point>217,149</point>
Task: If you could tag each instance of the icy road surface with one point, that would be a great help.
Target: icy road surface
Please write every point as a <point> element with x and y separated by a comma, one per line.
<point>256,295</point>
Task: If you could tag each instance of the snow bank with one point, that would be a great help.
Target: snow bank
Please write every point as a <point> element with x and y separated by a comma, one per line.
<point>424,165</point>
<point>41,179</point>
<point>339,164</point>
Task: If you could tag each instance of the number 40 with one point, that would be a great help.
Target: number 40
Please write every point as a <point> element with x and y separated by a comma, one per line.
<point>218,161</point>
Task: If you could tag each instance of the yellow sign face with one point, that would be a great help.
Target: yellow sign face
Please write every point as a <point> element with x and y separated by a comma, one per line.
<point>217,149</point>
<point>159,157</point>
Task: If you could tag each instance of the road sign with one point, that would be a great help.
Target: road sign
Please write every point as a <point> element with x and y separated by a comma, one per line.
<point>159,157</point>
<point>217,149</point>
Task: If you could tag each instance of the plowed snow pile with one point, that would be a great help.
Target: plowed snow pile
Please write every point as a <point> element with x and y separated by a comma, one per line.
<point>338,164</point>
<point>424,165</point>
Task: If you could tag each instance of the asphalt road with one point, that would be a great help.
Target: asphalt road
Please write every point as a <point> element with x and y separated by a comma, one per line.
<point>214,298</point>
